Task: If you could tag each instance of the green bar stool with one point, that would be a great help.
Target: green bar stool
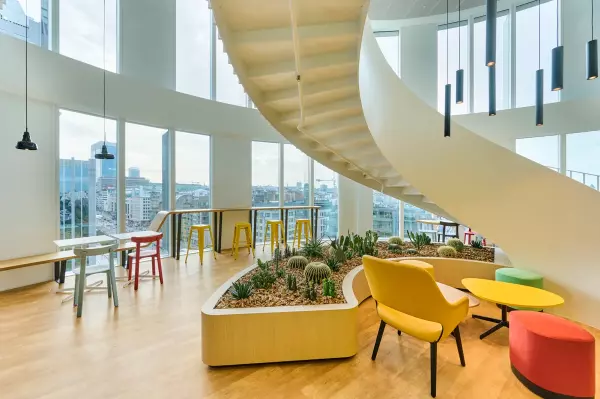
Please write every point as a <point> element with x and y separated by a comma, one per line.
<point>521,277</point>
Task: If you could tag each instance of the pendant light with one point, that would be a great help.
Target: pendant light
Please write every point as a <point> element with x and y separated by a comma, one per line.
<point>26,143</point>
<point>592,53</point>
<point>539,76</point>
<point>104,154</point>
<point>448,92</point>
<point>492,90</point>
<point>460,73</point>
<point>490,32</point>
<point>558,56</point>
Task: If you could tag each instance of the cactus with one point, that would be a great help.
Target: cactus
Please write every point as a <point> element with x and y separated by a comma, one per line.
<point>418,240</point>
<point>329,288</point>
<point>287,252</point>
<point>456,244</point>
<point>340,255</point>
<point>316,272</point>
<point>240,290</point>
<point>310,291</point>
<point>446,251</point>
<point>297,262</point>
<point>477,243</point>
<point>263,278</point>
<point>332,263</point>
<point>396,241</point>
<point>292,285</point>
<point>313,248</point>
<point>277,255</point>
<point>394,248</point>
<point>279,272</point>
<point>411,251</point>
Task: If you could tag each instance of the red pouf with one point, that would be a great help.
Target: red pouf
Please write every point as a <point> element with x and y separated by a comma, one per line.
<point>551,356</point>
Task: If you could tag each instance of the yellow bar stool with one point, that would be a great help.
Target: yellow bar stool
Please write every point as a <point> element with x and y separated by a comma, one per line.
<point>237,232</point>
<point>300,225</point>
<point>276,230</point>
<point>200,229</point>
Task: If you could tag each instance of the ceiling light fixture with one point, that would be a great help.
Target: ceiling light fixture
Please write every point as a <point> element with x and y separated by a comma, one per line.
<point>26,143</point>
<point>448,88</point>
<point>460,73</point>
<point>490,38</point>
<point>492,90</point>
<point>592,53</point>
<point>539,76</point>
<point>558,56</point>
<point>104,154</point>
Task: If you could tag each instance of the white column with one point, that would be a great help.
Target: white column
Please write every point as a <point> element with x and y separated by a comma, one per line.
<point>347,205</point>
<point>121,208</point>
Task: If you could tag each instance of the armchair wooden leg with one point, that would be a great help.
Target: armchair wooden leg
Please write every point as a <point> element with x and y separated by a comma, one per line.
<point>461,354</point>
<point>378,340</point>
<point>433,368</point>
<point>399,332</point>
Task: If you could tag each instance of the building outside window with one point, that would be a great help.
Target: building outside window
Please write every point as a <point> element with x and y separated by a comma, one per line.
<point>17,15</point>
<point>412,214</point>
<point>327,198</point>
<point>448,64</point>
<point>81,32</point>
<point>265,184</point>
<point>296,189</point>
<point>192,183</point>
<point>386,215</point>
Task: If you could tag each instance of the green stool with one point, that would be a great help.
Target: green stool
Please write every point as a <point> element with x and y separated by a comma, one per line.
<point>520,276</point>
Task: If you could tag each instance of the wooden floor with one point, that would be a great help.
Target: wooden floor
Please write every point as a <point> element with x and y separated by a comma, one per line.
<point>150,348</point>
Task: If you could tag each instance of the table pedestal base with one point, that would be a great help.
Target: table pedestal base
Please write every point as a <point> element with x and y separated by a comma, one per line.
<point>500,323</point>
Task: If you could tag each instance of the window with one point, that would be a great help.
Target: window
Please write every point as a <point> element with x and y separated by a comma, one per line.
<point>448,64</point>
<point>412,214</point>
<point>389,42</point>
<point>543,150</point>
<point>147,182</point>
<point>87,186</point>
<point>326,197</point>
<point>527,51</point>
<point>265,184</point>
<point>193,30</point>
<point>386,215</point>
<point>192,179</point>
<point>81,32</point>
<point>503,66</point>
<point>229,89</point>
<point>16,15</point>
<point>583,163</point>
<point>296,182</point>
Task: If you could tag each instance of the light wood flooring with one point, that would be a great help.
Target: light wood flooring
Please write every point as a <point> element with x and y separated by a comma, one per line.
<point>150,348</point>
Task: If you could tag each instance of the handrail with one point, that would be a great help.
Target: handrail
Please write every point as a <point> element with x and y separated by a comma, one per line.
<point>569,173</point>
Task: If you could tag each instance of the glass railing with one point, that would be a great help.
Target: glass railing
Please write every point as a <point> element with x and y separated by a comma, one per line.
<point>589,179</point>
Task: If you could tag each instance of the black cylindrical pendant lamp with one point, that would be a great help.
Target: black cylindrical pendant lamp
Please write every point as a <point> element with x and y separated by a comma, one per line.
<point>448,110</point>
<point>25,143</point>
<point>592,59</point>
<point>539,97</point>
<point>490,38</point>
<point>492,90</point>
<point>460,83</point>
<point>557,68</point>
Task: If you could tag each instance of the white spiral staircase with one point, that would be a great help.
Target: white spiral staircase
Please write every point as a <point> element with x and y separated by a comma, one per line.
<point>327,88</point>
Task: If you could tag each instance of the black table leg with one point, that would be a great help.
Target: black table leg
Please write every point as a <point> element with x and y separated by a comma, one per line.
<point>123,258</point>
<point>285,226</point>
<point>56,271</point>
<point>216,230</point>
<point>500,323</point>
<point>316,221</point>
<point>179,223</point>
<point>220,233</point>
<point>173,238</point>
<point>63,271</point>
<point>254,229</point>
<point>312,222</point>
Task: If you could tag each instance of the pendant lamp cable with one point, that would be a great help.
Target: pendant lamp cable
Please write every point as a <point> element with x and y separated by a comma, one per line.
<point>592,19</point>
<point>447,42</point>
<point>539,35</point>
<point>104,65</point>
<point>26,63</point>
<point>459,34</point>
<point>557,31</point>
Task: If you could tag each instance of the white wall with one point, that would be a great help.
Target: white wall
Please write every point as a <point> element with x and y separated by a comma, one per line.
<point>29,196</point>
<point>355,207</point>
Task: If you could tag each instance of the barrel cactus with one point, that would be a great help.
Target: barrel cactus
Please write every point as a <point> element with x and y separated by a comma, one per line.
<point>396,241</point>
<point>446,251</point>
<point>297,262</point>
<point>316,272</point>
<point>411,251</point>
<point>456,244</point>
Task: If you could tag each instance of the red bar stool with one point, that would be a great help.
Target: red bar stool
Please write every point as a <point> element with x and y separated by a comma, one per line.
<point>469,235</point>
<point>154,254</point>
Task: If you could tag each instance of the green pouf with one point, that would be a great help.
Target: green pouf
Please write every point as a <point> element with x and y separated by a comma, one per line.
<point>520,276</point>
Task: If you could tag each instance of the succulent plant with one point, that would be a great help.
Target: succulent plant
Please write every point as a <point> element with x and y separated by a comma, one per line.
<point>262,265</point>
<point>277,255</point>
<point>456,244</point>
<point>263,278</point>
<point>297,262</point>
<point>291,282</point>
<point>397,249</point>
<point>411,251</point>
<point>329,288</point>
<point>241,290</point>
<point>477,243</point>
<point>396,241</point>
<point>279,272</point>
<point>332,263</point>
<point>310,291</point>
<point>287,252</point>
<point>313,248</point>
<point>446,251</point>
<point>418,240</point>
<point>316,272</point>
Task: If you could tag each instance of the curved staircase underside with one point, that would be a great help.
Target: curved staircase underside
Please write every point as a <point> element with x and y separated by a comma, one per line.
<point>326,87</point>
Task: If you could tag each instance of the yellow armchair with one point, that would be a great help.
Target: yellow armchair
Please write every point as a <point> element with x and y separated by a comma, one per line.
<point>409,300</point>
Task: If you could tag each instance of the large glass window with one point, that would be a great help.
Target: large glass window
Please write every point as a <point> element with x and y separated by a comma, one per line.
<point>326,197</point>
<point>543,150</point>
<point>81,32</point>
<point>296,182</point>
<point>265,184</point>
<point>192,182</point>
<point>147,182</point>
<point>481,70</point>
<point>389,42</point>
<point>413,214</point>
<point>193,47</point>
<point>448,64</point>
<point>229,89</point>
<point>386,215</point>
<point>583,160</point>
<point>528,61</point>
<point>16,15</point>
